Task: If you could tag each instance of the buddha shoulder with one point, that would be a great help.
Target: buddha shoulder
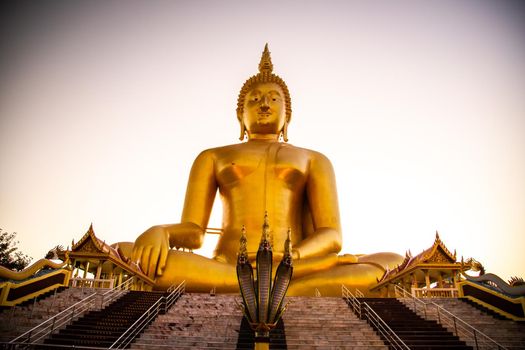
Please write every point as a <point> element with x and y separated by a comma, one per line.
<point>251,153</point>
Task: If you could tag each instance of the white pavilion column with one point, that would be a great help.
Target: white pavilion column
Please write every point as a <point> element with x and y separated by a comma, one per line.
<point>455,278</point>
<point>86,268</point>
<point>99,270</point>
<point>119,278</point>
<point>427,278</point>
<point>440,280</point>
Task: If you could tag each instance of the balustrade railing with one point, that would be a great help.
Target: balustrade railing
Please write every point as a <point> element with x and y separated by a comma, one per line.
<point>460,328</point>
<point>435,292</point>
<point>365,312</point>
<point>92,283</point>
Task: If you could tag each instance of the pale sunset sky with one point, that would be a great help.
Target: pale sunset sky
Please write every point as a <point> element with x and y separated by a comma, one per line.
<point>420,106</point>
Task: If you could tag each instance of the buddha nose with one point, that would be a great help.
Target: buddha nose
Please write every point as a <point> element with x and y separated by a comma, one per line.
<point>264,103</point>
<point>265,108</point>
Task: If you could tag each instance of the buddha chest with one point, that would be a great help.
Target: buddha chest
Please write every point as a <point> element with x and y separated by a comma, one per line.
<point>277,163</point>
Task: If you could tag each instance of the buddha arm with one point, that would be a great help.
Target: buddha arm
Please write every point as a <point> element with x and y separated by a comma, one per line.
<point>152,246</point>
<point>200,194</point>
<point>322,200</point>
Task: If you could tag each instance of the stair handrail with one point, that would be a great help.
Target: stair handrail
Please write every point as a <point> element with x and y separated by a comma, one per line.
<point>163,304</point>
<point>172,288</point>
<point>470,333</point>
<point>176,293</point>
<point>364,311</point>
<point>115,292</point>
<point>66,316</point>
<point>383,328</point>
<point>137,326</point>
<point>447,318</point>
<point>351,300</point>
<point>398,290</point>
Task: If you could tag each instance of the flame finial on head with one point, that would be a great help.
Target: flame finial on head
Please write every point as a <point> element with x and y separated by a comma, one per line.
<point>266,65</point>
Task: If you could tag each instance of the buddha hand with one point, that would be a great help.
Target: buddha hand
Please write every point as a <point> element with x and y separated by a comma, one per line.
<point>151,248</point>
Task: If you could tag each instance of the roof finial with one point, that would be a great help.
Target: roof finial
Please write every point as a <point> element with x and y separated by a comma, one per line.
<point>266,66</point>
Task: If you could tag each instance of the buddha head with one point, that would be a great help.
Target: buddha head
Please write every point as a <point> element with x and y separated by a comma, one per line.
<point>264,104</point>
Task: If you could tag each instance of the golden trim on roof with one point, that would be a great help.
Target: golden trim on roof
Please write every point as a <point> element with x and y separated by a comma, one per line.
<point>429,255</point>
<point>89,246</point>
<point>90,243</point>
<point>436,256</point>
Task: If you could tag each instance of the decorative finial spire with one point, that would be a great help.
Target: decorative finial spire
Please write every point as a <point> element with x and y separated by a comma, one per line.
<point>266,66</point>
<point>266,227</point>
<point>288,243</point>
<point>287,258</point>
<point>265,243</point>
<point>242,257</point>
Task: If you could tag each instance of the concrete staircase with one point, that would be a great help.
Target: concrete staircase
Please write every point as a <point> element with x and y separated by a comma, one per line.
<point>415,331</point>
<point>508,333</point>
<point>21,318</point>
<point>202,321</point>
<point>327,323</point>
<point>101,328</point>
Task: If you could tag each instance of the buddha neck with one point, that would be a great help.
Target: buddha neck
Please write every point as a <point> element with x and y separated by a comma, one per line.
<point>263,137</point>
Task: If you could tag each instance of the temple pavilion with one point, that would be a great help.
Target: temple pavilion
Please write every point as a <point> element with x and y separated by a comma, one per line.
<point>434,272</point>
<point>96,264</point>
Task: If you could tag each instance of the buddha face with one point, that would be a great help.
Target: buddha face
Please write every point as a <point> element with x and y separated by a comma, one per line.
<point>264,109</point>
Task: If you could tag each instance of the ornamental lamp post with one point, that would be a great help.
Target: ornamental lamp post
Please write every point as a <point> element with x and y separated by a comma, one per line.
<point>262,299</point>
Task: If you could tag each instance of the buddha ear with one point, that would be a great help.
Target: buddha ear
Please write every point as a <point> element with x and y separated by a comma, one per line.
<point>243,127</point>
<point>284,131</point>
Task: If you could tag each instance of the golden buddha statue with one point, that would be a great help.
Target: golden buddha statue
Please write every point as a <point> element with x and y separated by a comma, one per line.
<point>295,186</point>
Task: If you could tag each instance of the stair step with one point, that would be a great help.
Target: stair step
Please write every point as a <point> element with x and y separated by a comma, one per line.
<point>202,321</point>
<point>412,329</point>
<point>102,328</point>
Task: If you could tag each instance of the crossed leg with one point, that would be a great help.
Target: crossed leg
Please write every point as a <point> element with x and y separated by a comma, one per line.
<point>327,273</point>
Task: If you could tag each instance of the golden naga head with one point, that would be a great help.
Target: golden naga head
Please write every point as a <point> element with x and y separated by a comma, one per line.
<point>265,75</point>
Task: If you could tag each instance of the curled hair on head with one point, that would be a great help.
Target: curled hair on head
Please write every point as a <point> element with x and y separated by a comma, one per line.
<point>265,75</point>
